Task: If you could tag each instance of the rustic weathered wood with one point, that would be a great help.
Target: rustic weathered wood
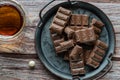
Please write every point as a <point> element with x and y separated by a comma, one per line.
<point>15,66</point>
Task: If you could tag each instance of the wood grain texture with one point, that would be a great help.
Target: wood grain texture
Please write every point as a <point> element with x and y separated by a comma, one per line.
<point>15,66</point>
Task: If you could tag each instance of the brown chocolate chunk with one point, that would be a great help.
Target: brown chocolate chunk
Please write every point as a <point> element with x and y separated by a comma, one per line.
<point>78,36</point>
<point>59,49</point>
<point>76,64</point>
<point>60,22</point>
<point>75,53</point>
<point>96,57</point>
<point>85,35</point>
<point>97,30</point>
<point>85,20</point>
<point>97,23</point>
<point>64,11</point>
<point>56,28</point>
<point>78,71</point>
<point>57,42</point>
<point>92,63</point>
<point>101,45</point>
<point>98,51</point>
<point>67,44</point>
<point>62,16</point>
<point>75,20</point>
<point>69,32</point>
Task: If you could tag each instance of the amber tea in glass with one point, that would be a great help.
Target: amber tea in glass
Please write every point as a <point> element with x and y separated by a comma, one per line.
<point>11,19</point>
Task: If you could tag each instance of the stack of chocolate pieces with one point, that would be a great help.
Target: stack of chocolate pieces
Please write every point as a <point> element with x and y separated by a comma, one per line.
<point>71,34</point>
<point>77,61</point>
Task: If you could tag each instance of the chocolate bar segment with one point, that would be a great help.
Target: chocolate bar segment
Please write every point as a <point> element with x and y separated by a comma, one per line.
<point>67,44</point>
<point>62,16</point>
<point>85,35</point>
<point>97,23</point>
<point>75,53</point>
<point>75,20</point>
<point>96,57</point>
<point>59,49</point>
<point>76,64</point>
<point>97,30</point>
<point>93,63</point>
<point>64,11</point>
<point>69,32</point>
<point>99,51</point>
<point>101,45</point>
<point>60,22</point>
<point>56,28</point>
<point>85,19</point>
<point>78,71</point>
<point>57,42</point>
<point>97,54</point>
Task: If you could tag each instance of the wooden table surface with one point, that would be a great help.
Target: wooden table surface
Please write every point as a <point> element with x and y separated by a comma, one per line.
<point>14,66</point>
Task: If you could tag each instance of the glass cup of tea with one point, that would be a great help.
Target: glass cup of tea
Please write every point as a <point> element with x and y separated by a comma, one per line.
<point>12,20</point>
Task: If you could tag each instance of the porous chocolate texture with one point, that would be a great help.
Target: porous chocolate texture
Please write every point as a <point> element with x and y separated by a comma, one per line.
<point>85,35</point>
<point>76,20</point>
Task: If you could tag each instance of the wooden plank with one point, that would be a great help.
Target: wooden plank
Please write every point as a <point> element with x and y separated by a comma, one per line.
<point>18,68</point>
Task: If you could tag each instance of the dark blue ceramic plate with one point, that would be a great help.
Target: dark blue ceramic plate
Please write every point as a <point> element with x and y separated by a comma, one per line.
<point>44,45</point>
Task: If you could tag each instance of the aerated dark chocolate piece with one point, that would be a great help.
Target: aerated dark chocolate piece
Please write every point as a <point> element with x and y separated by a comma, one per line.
<point>97,30</point>
<point>69,32</point>
<point>96,57</point>
<point>97,54</point>
<point>99,51</point>
<point>93,63</point>
<point>60,22</point>
<point>59,49</point>
<point>57,42</point>
<point>76,20</point>
<point>85,19</point>
<point>67,44</point>
<point>76,64</point>
<point>75,53</point>
<point>85,35</point>
<point>62,16</point>
<point>64,11</point>
<point>101,45</point>
<point>78,71</point>
<point>97,23</point>
<point>56,28</point>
